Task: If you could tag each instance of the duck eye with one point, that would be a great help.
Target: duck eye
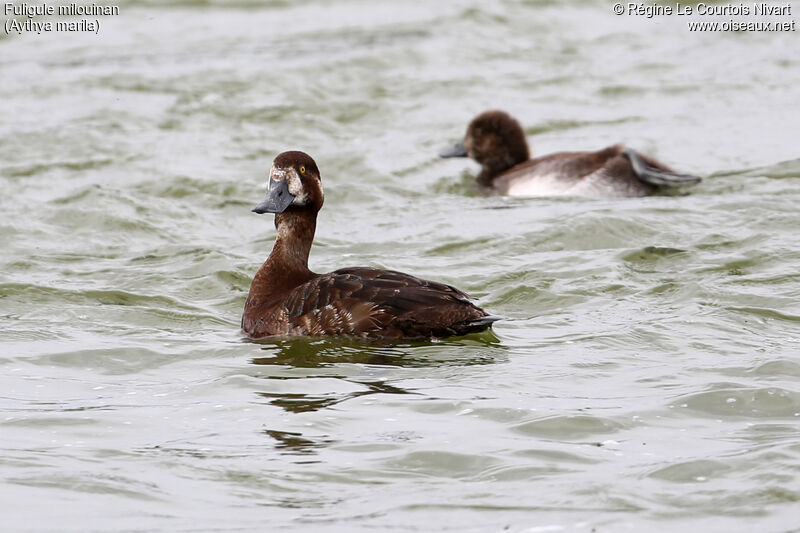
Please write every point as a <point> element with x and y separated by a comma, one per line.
<point>302,169</point>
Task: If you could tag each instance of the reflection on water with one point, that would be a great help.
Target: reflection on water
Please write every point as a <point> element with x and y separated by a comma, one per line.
<point>304,352</point>
<point>292,443</point>
<point>299,403</point>
<point>339,386</point>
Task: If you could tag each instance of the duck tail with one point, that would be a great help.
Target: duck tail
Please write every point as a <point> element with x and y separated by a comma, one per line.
<point>658,177</point>
<point>481,323</point>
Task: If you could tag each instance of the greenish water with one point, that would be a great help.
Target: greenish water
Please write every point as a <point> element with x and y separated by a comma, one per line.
<point>645,378</point>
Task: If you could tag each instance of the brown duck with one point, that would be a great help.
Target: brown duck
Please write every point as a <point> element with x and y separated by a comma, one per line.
<point>497,142</point>
<point>286,298</point>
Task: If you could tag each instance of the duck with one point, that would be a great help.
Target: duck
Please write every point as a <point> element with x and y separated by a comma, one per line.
<point>288,299</point>
<point>496,141</point>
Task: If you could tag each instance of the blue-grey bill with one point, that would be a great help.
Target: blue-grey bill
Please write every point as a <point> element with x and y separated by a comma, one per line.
<point>457,150</point>
<point>277,200</point>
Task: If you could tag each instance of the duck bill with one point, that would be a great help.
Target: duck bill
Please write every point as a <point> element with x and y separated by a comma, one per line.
<point>277,200</point>
<point>457,150</point>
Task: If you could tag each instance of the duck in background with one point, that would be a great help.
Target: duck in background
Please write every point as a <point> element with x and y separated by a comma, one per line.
<point>496,141</point>
<point>286,298</point>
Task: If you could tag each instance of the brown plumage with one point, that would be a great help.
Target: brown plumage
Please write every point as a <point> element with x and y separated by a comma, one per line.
<point>497,142</point>
<point>286,298</point>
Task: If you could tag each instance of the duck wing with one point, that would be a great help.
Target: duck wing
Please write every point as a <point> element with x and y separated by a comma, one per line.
<point>371,302</point>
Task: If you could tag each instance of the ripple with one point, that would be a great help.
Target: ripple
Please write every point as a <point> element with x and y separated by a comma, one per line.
<point>440,464</point>
<point>45,294</point>
<point>568,427</point>
<point>93,483</point>
<point>555,456</point>
<point>724,400</point>
<point>776,368</point>
<point>765,313</point>
<point>23,171</point>
<point>651,254</point>
<point>691,471</point>
<point>111,361</point>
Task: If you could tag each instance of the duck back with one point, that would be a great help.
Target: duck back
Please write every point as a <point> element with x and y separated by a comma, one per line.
<point>370,302</point>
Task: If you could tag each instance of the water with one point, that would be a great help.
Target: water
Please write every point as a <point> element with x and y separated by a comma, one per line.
<point>645,378</point>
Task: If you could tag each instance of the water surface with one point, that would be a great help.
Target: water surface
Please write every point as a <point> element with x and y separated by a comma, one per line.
<point>645,377</point>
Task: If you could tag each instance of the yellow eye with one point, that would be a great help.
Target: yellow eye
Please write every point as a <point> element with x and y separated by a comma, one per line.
<point>302,169</point>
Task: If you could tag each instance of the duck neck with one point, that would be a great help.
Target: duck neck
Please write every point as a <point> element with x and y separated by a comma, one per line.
<point>487,174</point>
<point>491,169</point>
<point>514,151</point>
<point>287,264</point>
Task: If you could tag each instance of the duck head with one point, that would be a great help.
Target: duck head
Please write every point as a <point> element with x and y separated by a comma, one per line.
<point>294,182</point>
<point>495,140</point>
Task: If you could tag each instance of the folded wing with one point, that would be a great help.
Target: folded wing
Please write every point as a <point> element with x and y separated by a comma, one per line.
<point>384,303</point>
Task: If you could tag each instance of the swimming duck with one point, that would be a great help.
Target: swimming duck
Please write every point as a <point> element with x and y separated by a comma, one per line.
<point>496,141</point>
<point>286,298</point>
